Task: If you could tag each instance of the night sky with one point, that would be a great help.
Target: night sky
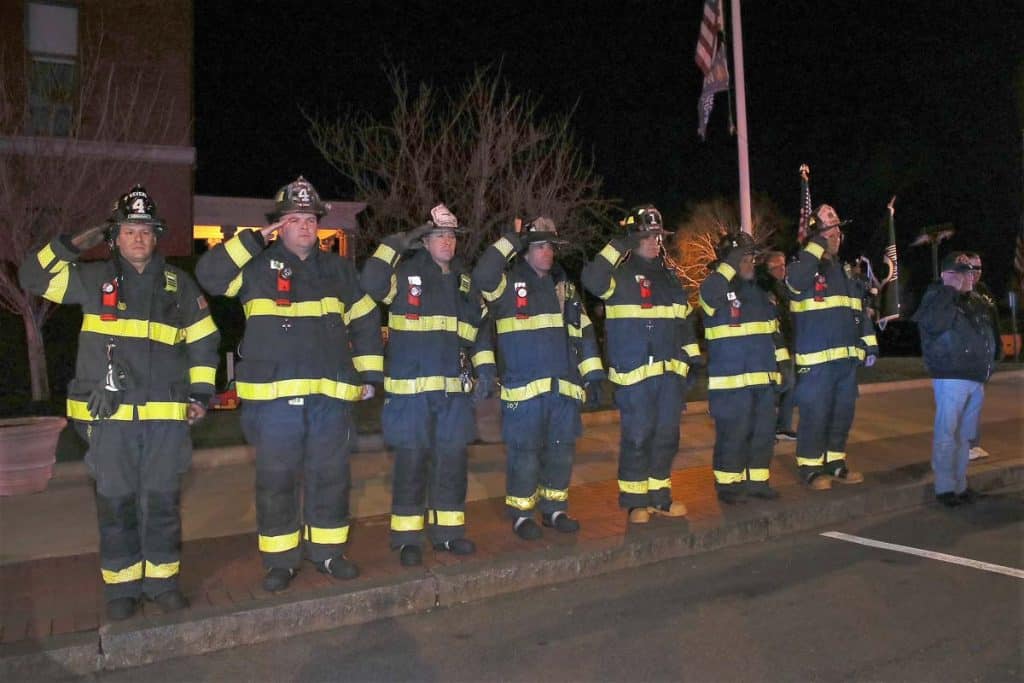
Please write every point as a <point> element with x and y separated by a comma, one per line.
<point>910,97</point>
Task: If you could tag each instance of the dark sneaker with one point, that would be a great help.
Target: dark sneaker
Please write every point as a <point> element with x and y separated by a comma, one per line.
<point>171,601</point>
<point>277,579</point>
<point>120,609</point>
<point>410,556</point>
<point>560,521</point>
<point>763,492</point>
<point>527,529</point>
<point>340,567</point>
<point>969,496</point>
<point>457,546</point>
<point>785,435</point>
<point>730,497</point>
<point>949,499</point>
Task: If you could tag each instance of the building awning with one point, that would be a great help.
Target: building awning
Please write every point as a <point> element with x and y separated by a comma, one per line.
<point>252,212</point>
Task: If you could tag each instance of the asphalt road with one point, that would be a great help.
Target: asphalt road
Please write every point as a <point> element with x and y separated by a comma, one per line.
<point>804,608</point>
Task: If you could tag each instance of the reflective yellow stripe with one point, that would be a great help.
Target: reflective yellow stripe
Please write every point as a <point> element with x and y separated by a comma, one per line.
<point>497,291</point>
<point>575,332</point>
<point>626,311</point>
<point>708,310</point>
<point>741,330</point>
<point>682,310</point>
<point>837,301</point>
<point>611,255</point>
<point>838,353</point>
<point>161,571</point>
<point>360,308</point>
<point>325,536</point>
<point>368,363</point>
<point>810,462</point>
<point>791,288</point>
<point>298,309</point>
<point>505,247</point>
<point>832,456</point>
<point>758,474</point>
<point>467,332</point>
<point>392,291</point>
<point>781,354</point>
<point>729,477</point>
<point>658,484</point>
<point>608,292</point>
<point>153,410</point>
<point>636,375</point>
<point>57,288</point>
<point>483,358</point>
<point>266,391</point>
<point>234,286</point>
<point>814,249</point>
<point>199,330</point>
<point>639,487</point>
<point>534,322</point>
<point>237,251</point>
<point>522,503</point>
<point>447,517</point>
<point>692,350</point>
<point>553,494</point>
<point>136,329</point>
<point>589,365</point>
<point>449,385</point>
<point>542,386</point>
<point>278,544</point>
<point>584,321</point>
<point>131,573</point>
<point>870,340</point>
<point>201,374</point>
<point>47,256</point>
<point>677,366</point>
<point>425,323</point>
<point>747,379</point>
<point>726,271</point>
<point>386,254</point>
<point>407,522</point>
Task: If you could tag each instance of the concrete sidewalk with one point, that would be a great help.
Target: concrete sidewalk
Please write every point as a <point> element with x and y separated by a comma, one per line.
<point>51,605</point>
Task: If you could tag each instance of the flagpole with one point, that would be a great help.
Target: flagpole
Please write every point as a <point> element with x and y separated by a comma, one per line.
<point>741,119</point>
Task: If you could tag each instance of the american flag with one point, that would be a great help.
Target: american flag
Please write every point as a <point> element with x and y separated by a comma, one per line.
<point>805,203</point>
<point>707,43</point>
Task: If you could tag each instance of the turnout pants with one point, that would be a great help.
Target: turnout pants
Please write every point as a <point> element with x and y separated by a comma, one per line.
<point>302,444</point>
<point>744,437</point>
<point>540,442</point>
<point>138,467</point>
<point>826,395</point>
<point>428,433</point>
<point>649,415</point>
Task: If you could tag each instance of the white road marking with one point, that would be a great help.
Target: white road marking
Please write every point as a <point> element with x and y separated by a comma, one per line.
<point>931,555</point>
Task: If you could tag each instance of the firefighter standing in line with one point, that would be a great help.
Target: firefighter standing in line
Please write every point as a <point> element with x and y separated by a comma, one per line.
<point>747,364</point>
<point>311,348</point>
<point>547,347</point>
<point>147,356</point>
<point>433,323</point>
<point>651,346</point>
<point>833,336</point>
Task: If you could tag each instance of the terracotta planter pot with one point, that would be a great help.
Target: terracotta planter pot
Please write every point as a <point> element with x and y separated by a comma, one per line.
<point>28,447</point>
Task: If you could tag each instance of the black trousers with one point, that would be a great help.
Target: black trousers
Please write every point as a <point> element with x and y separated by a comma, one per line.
<point>649,415</point>
<point>138,467</point>
<point>744,436</point>
<point>301,445</point>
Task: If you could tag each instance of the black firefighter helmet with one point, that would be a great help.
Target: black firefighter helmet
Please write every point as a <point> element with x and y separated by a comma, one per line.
<point>541,229</point>
<point>298,196</point>
<point>645,219</point>
<point>730,241</point>
<point>134,206</point>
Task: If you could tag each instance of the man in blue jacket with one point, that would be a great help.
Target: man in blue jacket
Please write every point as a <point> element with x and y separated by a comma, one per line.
<point>958,344</point>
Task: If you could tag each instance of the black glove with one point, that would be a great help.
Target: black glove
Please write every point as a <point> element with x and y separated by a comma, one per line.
<point>86,239</point>
<point>516,238</point>
<point>103,403</point>
<point>483,388</point>
<point>412,239</point>
<point>593,390</point>
<point>787,376</point>
<point>821,241</point>
<point>628,242</point>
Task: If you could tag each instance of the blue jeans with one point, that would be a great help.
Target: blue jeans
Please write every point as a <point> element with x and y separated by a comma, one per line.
<point>957,411</point>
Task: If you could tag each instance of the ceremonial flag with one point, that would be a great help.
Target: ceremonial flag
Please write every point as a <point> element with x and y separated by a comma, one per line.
<point>805,204</point>
<point>712,62</point>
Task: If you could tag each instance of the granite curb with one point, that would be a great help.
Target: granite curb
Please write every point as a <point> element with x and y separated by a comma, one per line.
<point>203,630</point>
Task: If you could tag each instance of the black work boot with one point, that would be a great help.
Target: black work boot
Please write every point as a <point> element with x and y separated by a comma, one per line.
<point>410,556</point>
<point>457,546</point>
<point>730,497</point>
<point>561,521</point>
<point>526,529</point>
<point>339,567</point>
<point>171,601</point>
<point>763,492</point>
<point>277,579</point>
<point>120,609</point>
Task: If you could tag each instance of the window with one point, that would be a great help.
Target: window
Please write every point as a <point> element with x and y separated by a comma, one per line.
<point>52,39</point>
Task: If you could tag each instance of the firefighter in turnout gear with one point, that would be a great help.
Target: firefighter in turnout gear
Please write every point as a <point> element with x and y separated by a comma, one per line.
<point>312,347</point>
<point>833,336</point>
<point>147,355</point>
<point>434,342</point>
<point>651,348</point>
<point>747,364</point>
<point>548,349</point>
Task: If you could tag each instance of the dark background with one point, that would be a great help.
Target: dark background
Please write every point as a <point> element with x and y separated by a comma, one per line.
<point>913,97</point>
